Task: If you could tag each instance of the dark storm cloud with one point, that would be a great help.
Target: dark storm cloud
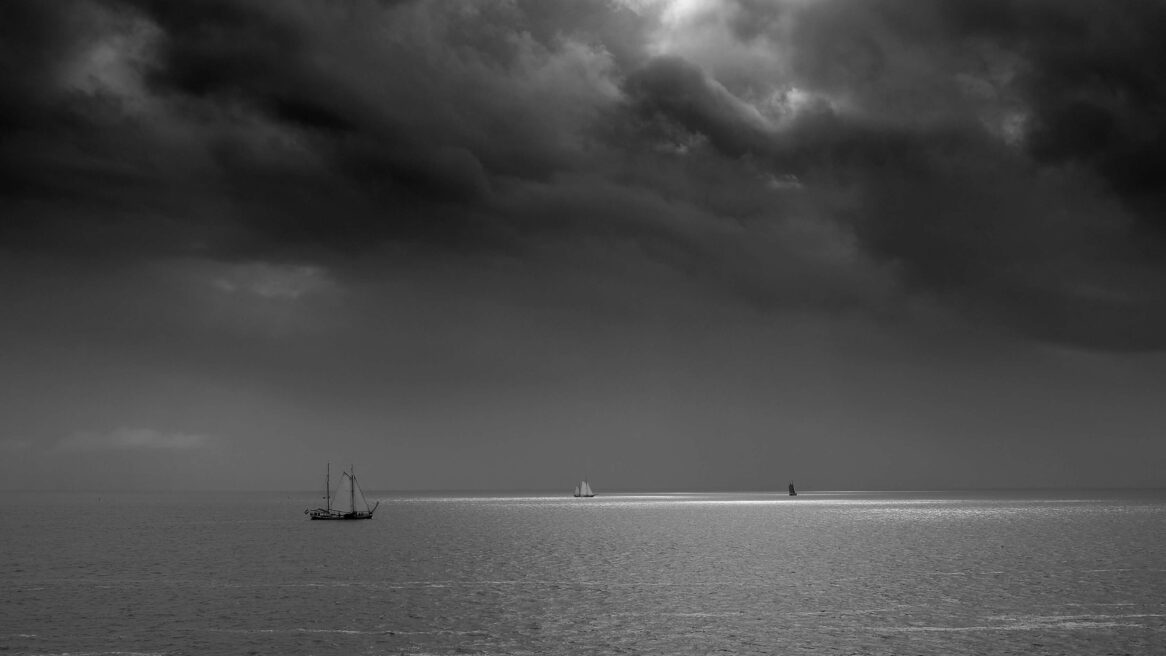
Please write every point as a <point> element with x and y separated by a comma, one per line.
<point>307,123</point>
<point>266,59</point>
<point>1006,155</point>
<point>679,90</point>
<point>1000,159</point>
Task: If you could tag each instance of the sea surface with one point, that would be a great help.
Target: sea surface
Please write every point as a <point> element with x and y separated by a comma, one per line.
<point>823,573</point>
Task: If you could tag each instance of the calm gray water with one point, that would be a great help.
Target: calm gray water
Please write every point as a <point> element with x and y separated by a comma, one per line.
<point>827,573</point>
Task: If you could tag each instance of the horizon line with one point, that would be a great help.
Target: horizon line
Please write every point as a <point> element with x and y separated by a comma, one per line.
<point>547,491</point>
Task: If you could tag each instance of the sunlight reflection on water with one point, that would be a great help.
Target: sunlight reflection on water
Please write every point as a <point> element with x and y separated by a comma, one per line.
<point>821,573</point>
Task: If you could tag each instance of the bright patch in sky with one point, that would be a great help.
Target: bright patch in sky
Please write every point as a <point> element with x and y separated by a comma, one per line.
<point>130,439</point>
<point>273,281</point>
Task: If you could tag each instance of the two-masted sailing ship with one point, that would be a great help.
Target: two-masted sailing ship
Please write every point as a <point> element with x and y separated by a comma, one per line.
<point>348,480</point>
<point>584,489</point>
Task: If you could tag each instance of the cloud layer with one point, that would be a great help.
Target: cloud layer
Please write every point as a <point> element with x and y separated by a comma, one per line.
<point>1000,160</point>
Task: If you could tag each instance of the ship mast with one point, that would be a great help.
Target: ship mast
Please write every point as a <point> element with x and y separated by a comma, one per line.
<point>328,487</point>
<point>351,488</point>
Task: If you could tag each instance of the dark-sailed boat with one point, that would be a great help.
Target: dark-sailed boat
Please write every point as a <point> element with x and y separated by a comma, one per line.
<point>348,478</point>
<point>792,491</point>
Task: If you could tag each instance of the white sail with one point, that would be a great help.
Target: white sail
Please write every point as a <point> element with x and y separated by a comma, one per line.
<point>576,490</point>
<point>585,489</point>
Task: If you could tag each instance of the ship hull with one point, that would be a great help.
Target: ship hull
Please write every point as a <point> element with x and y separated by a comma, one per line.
<point>324,514</point>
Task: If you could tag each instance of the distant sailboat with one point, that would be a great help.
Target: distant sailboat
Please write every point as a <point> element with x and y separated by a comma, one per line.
<point>584,489</point>
<point>792,491</point>
<point>328,512</point>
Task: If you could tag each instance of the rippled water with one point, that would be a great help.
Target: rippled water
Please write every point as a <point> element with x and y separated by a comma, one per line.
<point>836,573</point>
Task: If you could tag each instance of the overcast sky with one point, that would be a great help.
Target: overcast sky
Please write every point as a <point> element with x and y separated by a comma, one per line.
<point>671,245</point>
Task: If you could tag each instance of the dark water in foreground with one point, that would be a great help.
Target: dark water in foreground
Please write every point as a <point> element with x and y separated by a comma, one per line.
<point>837,573</point>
